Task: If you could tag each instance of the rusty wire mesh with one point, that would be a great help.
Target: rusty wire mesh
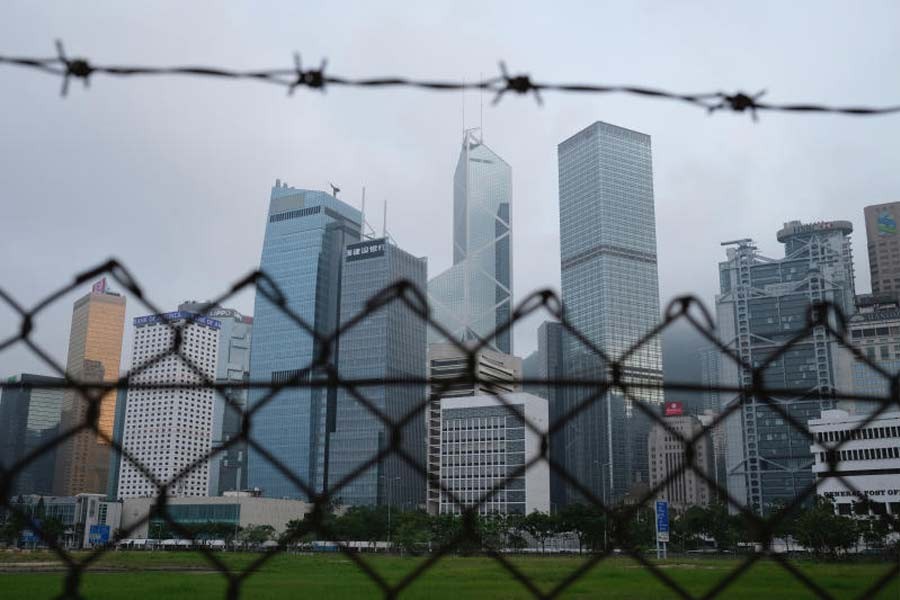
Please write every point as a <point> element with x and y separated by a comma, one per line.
<point>686,309</point>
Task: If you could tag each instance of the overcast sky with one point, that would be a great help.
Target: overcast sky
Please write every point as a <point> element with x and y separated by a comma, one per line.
<point>172,175</point>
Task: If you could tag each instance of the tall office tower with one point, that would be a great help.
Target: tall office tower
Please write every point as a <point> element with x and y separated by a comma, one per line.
<point>95,348</point>
<point>228,468</point>
<point>709,357</point>
<point>549,368</point>
<point>610,292</point>
<point>884,247</point>
<point>496,373</point>
<point>762,305</point>
<point>169,428</point>
<point>115,456</point>
<point>389,344</point>
<point>684,487</point>
<point>303,251</point>
<point>474,296</point>
<point>29,418</point>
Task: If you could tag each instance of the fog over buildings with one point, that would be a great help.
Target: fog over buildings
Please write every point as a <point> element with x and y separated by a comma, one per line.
<point>170,175</point>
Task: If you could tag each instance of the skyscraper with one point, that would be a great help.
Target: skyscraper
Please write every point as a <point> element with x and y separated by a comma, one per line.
<point>884,247</point>
<point>29,418</point>
<point>169,428</point>
<point>610,292</point>
<point>303,253</point>
<point>95,348</point>
<point>763,305</point>
<point>389,343</point>
<point>474,296</point>
<point>228,468</point>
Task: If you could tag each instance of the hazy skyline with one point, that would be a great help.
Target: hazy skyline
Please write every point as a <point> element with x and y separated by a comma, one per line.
<point>172,174</point>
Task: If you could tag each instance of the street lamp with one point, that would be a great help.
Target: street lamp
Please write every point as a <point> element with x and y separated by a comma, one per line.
<point>605,496</point>
<point>388,484</point>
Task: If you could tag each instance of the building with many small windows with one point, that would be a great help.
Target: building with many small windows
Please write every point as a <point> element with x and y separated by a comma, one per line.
<point>681,483</point>
<point>485,444</point>
<point>495,372</point>
<point>868,460</point>
<point>169,428</point>
<point>875,331</point>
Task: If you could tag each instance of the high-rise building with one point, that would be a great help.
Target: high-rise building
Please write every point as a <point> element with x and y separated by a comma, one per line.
<point>115,456</point>
<point>306,234</point>
<point>884,247</point>
<point>29,418</point>
<point>169,428</point>
<point>875,331</point>
<point>473,298</point>
<point>228,467</point>
<point>484,446</point>
<point>95,349</point>
<point>390,344</point>
<point>679,481</point>
<point>610,293</point>
<point>763,304</point>
<point>495,372</point>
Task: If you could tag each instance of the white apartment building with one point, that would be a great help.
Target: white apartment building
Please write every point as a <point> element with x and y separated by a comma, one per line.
<point>484,444</point>
<point>868,459</point>
<point>168,428</point>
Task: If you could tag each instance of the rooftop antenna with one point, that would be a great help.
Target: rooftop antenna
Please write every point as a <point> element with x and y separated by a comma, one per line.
<point>384,223</point>
<point>481,107</point>
<point>366,229</point>
<point>334,189</point>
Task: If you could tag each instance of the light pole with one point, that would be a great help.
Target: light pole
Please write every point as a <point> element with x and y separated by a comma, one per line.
<point>388,481</point>
<point>605,498</point>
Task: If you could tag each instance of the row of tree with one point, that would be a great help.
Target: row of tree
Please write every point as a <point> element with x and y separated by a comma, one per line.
<point>816,529</point>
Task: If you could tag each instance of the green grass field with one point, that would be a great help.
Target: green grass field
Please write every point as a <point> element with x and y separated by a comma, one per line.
<point>162,575</point>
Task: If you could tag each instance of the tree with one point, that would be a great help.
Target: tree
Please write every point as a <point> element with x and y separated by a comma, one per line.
<point>540,526</point>
<point>412,531</point>
<point>254,535</point>
<point>823,532</point>
<point>52,529</point>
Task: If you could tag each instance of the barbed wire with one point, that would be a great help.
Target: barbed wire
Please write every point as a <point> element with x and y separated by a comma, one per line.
<point>317,78</point>
<point>688,310</point>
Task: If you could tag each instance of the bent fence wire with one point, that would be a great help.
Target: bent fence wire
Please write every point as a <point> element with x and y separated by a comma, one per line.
<point>686,309</point>
<point>296,76</point>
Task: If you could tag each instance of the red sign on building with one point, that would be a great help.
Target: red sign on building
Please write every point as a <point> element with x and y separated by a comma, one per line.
<point>99,287</point>
<point>674,409</point>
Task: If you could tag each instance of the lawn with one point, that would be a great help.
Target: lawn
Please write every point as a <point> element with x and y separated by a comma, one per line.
<point>136,575</point>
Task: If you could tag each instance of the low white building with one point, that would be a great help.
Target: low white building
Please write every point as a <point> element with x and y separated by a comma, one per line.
<point>140,519</point>
<point>483,442</point>
<point>868,459</point>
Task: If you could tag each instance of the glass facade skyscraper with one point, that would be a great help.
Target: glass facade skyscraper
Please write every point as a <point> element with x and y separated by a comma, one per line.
<point>303,252</point>
<point>29,418</point>
<point>474,296</point>
<point>389,343</point>
<point>610,292</point>
<point>762,305</point>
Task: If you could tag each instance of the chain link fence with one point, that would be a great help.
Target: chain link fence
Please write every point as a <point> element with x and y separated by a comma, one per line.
<point>762,527</point>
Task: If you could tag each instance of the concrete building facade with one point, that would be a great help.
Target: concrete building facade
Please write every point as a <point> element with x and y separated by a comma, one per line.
<point>868,460</point>
<point>496,373</point>
<point>883,245</point>
<point>485,445</point>
<point>685,487</point>
<point>167,429</point>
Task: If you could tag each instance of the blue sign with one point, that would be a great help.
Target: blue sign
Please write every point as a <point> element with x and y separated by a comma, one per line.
<point>29,536</point>
<point>98,535</point>
<point>178,315</point>
<point>662,520</point>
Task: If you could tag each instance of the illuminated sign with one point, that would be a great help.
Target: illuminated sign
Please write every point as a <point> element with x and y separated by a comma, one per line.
<point>887,225</point>
<point>178,315</point>
<point>99,287</point>
<point>365,250</point>
<point>674,409</point>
